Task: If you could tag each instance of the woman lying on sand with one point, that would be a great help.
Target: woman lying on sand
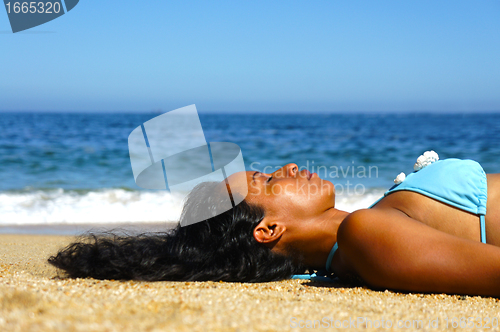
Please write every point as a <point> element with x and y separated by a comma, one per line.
<point>423,236</point>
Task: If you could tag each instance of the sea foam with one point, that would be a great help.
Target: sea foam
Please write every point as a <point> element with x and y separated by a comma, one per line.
<point>44,207</point>
<point>102,206</point>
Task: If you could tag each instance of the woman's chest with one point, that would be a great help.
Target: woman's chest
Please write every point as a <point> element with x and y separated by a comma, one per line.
<point>435,214</point>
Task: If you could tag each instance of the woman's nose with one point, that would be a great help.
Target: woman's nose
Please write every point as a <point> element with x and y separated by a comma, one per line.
<point>290,170</point>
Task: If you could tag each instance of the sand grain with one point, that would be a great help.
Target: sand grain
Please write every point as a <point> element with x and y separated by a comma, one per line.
<point>34,298</point>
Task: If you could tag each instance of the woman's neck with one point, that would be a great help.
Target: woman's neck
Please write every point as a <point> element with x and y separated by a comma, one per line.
<point>321,238</point>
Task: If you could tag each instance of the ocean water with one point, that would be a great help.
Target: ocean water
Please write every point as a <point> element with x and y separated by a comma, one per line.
<point>60,168</point>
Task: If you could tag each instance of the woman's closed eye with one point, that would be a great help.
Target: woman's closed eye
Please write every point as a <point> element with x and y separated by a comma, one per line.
<point>269,179</point>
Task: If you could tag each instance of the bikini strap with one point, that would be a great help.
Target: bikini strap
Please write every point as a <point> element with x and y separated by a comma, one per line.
<point>482,223</point>
<point>330,256</point>
<point>321,275</point>
<point>318,276</point>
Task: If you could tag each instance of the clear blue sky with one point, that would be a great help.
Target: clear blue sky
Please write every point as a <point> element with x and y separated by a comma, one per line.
<point>257,56</point>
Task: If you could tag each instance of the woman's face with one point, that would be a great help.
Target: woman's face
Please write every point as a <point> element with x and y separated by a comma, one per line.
<point>287,194</point>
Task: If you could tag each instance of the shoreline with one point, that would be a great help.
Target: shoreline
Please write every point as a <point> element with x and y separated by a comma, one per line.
<point>34,298</point>
<point>78,229</point>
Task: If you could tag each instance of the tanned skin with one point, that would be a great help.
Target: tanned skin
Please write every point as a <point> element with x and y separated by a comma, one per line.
<point>406,242</point>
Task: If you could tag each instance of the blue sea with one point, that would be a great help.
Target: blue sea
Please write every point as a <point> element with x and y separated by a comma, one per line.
<point>67,168</point>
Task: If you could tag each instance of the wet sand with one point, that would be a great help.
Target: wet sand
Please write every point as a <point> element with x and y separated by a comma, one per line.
<point>34,298</point>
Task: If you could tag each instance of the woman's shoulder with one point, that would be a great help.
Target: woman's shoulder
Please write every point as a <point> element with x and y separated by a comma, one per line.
<point>367,239</point>
<point>364,228</point>
<point>368,218</point>
<point>388,249</point>
<point>371,232</point>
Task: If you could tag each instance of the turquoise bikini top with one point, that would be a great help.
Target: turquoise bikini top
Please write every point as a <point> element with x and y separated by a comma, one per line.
<point>459,183</point>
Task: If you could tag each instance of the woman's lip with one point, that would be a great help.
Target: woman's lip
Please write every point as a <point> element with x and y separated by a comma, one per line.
<point>309,175</point>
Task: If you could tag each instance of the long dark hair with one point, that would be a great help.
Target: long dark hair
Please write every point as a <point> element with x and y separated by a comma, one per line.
<point>219,248</point>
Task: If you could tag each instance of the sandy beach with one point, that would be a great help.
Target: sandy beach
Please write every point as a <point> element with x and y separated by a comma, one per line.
<point>34,298</point>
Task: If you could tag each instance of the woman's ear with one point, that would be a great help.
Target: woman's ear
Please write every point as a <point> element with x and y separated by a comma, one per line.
<point>268,231</point>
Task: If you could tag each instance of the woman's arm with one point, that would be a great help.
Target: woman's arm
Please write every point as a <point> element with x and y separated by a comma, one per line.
<point>387,249</point>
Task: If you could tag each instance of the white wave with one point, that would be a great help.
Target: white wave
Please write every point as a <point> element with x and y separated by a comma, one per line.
<point>116,206</point>
<point>103,206</point>
<point>353,202</point>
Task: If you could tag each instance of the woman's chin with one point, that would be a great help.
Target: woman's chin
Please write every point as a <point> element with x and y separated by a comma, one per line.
<point>328,186</point>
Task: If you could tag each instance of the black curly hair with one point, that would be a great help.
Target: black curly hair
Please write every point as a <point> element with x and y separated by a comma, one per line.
<point>219,248</point>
